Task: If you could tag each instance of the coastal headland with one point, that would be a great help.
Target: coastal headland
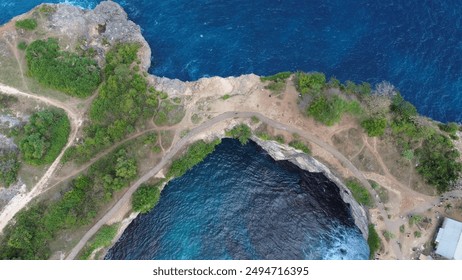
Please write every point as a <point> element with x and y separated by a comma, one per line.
<point>149,121</point>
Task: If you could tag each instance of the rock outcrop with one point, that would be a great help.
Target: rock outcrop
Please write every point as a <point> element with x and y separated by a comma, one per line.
<point>308,163</point>
<point>105,25</point>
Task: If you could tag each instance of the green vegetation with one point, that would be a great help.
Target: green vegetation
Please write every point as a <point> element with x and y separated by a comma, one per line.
<point>388,235</point>
<point>277,82</point>
<point>438,162</point>
<point>359,89</point>
<point>27,24</point>
<point>7,100</point>
<point>330,110</point>
<point>374,126</point>
<point>29,237</point>
<point>22,45</point>
<point>44,136</point>
<point>373,240</point>
<point>196,119</point>
<point>360,193</point>
<point>168,113</point>
<point>195,154</point>
<point>381,191</point>
<point>123,101</point>
<point>280,139</point>
<point>241,132</point>
<point>62,70</point>
<point>103,238</point>
<point>299,145</point>
<point>9,167</point>
<point>417,234</point>
<point>402,228</point>
<point>255,120</point>
<point>145,198</point>
<point>310,82</point>
<point>415,219</point>
<point>226,96</point>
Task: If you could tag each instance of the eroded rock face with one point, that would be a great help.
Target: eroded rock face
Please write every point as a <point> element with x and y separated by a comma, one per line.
<point>308,163</point>
<point>99,28</point>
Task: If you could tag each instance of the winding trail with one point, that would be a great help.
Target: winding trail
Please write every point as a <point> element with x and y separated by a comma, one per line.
<point>20,201</point>
<point>204,127</point>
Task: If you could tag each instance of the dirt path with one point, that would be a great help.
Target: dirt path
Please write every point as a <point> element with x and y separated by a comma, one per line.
<point>20,201</point>
<point>204,127</point>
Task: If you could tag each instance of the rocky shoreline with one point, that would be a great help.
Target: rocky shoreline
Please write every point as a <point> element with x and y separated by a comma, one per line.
<point>305,162</point>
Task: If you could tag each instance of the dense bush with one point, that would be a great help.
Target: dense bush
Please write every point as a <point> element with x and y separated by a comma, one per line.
<point>145,198</point>
<point>44,136</point>
<point>310,82</point>
<point>330,110</point>
<point>28,24</point>
<point>9,167</point>
<point>62,70</point>
<point>439,162</point>
<point>122,101</point>
<point>195,154</point>
<point>374,126</point>
<point>373,240</point>
<point>241,132</point>
<point>360,193</point>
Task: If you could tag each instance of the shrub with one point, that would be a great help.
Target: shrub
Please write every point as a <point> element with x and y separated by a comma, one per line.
<point>195,154</point>
<point>360,193</point>
<point>103,238</point>
<point>241,132</point>
<point>61,70</point>
<point>299,145</point>
<point>9,167</point>
<point>22,45</point>
<point>28,24</point>
<point>276,77</point>
<point>373,240</point>
<point>226,96</point>
<point>145,198</point>
<point>310,82</point>
<point>374,126</point>
<point>330,110</point>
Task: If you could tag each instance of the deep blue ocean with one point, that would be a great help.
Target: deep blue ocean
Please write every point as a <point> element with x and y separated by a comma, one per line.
<point>416,45</point>
<point>241,204</point>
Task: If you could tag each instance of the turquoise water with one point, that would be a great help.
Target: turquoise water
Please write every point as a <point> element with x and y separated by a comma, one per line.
<point>416,45</point>
<point>241,204</point>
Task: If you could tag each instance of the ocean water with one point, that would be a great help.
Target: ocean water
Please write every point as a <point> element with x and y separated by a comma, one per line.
<point>241,204</point>
<point>416,45</point>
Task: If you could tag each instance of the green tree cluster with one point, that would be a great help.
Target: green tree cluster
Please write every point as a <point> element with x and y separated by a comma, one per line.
<point>374,126</point>
<point>28,24</point>
<point>329,110</point>
<point>195,154</point>
<point>44,136</point>
<point>310,82</point>
<point>65,71</point>
<point>241,132</point>
<point>145,198</point>
<point>9,167</point>
<point>439,162</point>
<point>122,101</point>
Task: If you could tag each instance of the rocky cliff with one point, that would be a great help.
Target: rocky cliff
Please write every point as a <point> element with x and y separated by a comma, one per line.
<point>308,163</point>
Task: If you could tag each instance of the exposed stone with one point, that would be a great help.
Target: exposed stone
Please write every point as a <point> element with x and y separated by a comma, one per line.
<point>107,24</point>
<point>303,161</point>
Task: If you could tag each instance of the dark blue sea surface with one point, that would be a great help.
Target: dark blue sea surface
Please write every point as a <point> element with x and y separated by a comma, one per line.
<point>416,45</point>
<point>241,204</point>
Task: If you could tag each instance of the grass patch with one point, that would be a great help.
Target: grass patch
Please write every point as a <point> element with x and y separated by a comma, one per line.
<point>103,238</point>
<point>226,96</point>
<point>374,241</point>
<point>330,110</point>
<point>388,235</point>
<point>27,24</point>
<point>360,193</point>
<point>22,46</point>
